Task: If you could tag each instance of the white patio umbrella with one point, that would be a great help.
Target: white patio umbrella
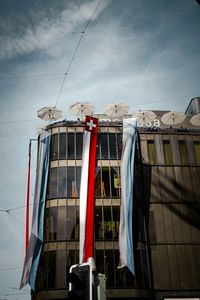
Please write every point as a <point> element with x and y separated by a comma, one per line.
<point>173,118</point>
<point>82,109</point>
<point>195,120</point>
<point>144,116</point>
<point>116,110</point>
<point>49,113</point>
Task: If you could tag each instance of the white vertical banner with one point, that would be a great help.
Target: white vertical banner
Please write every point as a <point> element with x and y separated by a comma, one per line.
<point>127,182</point>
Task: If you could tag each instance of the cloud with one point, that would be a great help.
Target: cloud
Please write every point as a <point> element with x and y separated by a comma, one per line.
<point>40,32</point>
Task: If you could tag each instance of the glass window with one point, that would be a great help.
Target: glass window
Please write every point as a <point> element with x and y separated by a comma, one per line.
<point>72,190</point>
<point>61,268</point>
<point>108,224</point>
<point>100,260</point>
<point>71,223</point>
<point>167,153</point>
<point>115,181</point>
<point>51,224</point>
<point>98,147</point>
<point>51,274</point>
<point>152,152</point>
<point>183,152</point>
<point>109,268</point>
<point>54,147</point>
<point>41,280</point>
<point>62,182</point>
<point>52,185</point>
<point>112,146</point>
<point>102,183</point>
<point>70,146</point>
<point>62,146</point>
<point>116,218</point>
<point>104,145</point>
<point>78,179</point>
<point>61,223</point>
<point>197,152</point>
<point>71,260</point>
<point>152,231</point>
<point>98,223</point>
<point>79,145</point>
<point>106,181</point>
<point>119,145</point>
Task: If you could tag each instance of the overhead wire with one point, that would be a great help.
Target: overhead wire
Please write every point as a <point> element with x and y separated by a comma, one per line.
<point>14,208</point>
<point>75,51</point>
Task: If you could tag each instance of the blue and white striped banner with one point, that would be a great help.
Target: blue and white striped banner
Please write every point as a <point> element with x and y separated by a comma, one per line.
<point>127,182</point>
<point>36,239</point>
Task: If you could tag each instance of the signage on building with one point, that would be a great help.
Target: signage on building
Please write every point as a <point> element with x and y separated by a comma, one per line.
<point>105,118</point>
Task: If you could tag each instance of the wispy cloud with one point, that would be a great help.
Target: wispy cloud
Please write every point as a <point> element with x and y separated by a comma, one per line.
<point>43,31</point>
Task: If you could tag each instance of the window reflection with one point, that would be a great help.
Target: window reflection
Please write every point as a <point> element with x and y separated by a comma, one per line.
<point>54,147</point>
<point>71,223</point>
<point>104,145</point>
<point>167,153</point>
<point>107,182</point>
<point>52,184</point>
<point>197,152</point>
<point>79,145</point>
<point>183,152</point>
<point>112,146</point>
<point>51,224</point>
<point>62,146</point>
<point>70,146</point>
<point>116,218</point>
<point>152,152</point>
<point>98,223</point>
<point>107,222</point>
<point>119,145</point>
<point>64,182</point>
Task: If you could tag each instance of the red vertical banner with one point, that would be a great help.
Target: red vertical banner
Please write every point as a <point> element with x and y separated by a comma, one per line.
<point>92,126</point>
<point>28,199</point>
<point>87,201</point>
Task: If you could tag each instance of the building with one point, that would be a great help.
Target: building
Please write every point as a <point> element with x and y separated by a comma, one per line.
<point>166,211</point>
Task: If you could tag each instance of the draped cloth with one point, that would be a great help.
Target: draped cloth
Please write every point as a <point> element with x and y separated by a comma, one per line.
<point>86,211</point>
<point>33,252</point>
<point>127,182</point>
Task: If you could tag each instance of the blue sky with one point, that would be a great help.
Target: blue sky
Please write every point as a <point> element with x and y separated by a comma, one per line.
<point>142,53</point>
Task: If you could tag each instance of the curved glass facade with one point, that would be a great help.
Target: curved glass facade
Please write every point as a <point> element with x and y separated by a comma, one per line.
<point>61,244</point>
<point>166,224</point>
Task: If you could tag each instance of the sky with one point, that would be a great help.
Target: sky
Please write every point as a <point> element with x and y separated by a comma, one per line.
<point>138,52</point>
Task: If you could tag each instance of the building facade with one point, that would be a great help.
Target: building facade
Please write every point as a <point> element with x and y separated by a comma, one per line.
<point>166,223</point>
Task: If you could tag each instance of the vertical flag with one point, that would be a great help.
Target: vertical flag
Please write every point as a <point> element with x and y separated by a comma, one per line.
<point>87,189</point>
<point>33,252</point>
<point>127,181</point>
<point>28,198</point>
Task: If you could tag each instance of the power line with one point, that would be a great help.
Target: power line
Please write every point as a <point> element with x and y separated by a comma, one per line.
<point>13,288</point>
<point>14,208</point>
<point>10,268</point>
<point>17,76</point>
<point>75,51</point>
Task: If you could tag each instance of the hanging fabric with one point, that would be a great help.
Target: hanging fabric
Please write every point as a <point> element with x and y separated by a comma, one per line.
<point>36,239</point>
<point>127,182</point>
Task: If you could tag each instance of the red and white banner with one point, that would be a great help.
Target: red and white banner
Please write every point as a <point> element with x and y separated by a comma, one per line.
<point>86,214</point>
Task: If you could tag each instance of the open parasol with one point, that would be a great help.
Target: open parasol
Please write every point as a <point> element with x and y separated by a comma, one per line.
<point>173,118</point>
<point>195,120</point>
<point>144,116</point>
<point>49,113</point>
<point>82,109</point>
<point>116,110</point>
